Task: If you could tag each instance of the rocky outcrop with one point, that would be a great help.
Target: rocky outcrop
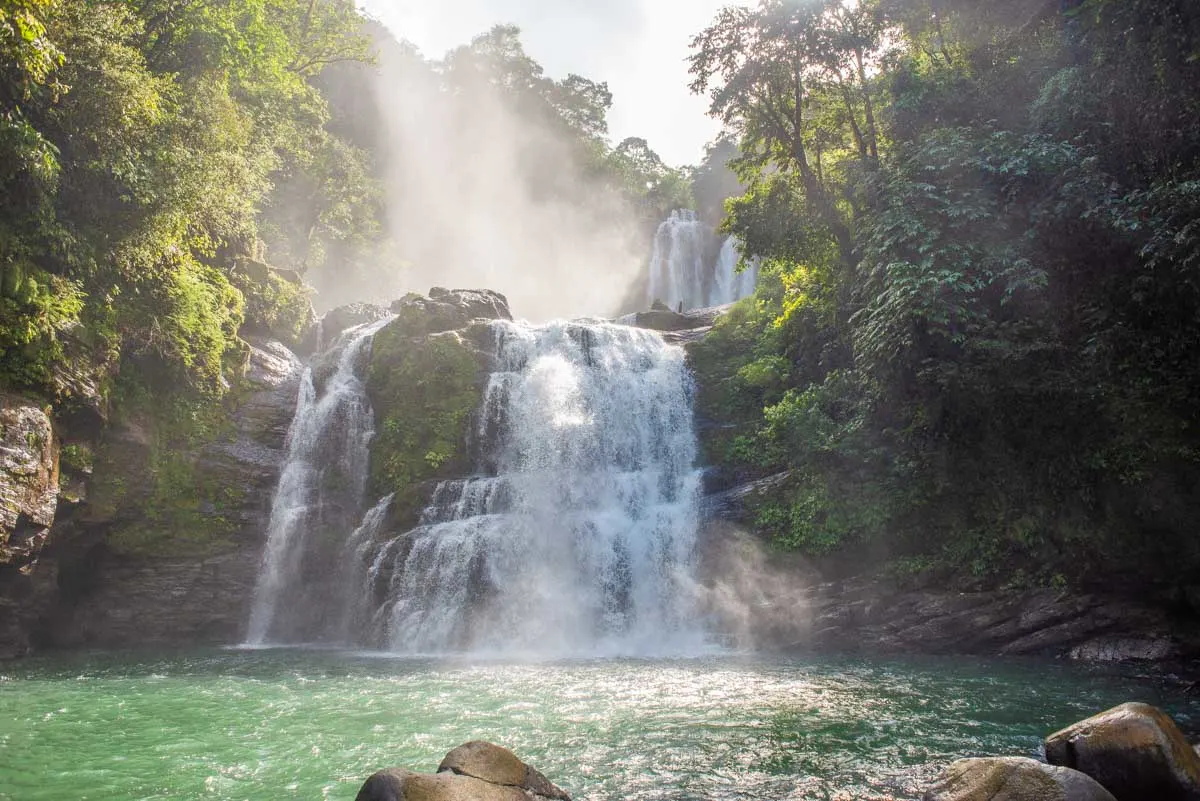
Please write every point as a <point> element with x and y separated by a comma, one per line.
<point>1134,750</point>
<point>475,771</point>
<point>346,317</point>
<point>425,381</point>
<point>1013,779</point>
<point>28,480</point>
<point>447,310</point>
<point>677,327</point>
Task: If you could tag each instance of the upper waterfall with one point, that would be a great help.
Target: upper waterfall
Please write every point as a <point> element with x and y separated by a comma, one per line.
<point>689,270</point>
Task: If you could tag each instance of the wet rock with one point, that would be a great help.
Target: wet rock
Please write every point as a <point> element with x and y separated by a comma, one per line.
<point>475,771</point>
<point>28,480</point>
<point>496,764</point>
<point>1135,750</point>
<point>1013,779</point>
<point>447,310</point>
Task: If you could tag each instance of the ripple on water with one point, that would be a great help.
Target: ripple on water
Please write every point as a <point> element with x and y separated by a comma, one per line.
<point>272,724</point>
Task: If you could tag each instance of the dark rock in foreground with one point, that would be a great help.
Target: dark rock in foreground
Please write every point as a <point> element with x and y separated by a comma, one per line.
<point>1014,779</point>
<point>475,771</point>
<point>1134,750</point>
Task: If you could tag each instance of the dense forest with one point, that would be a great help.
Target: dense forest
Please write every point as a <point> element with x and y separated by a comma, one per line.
<point>973,349</point>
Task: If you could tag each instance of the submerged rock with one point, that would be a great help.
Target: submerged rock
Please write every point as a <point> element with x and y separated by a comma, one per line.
<point>1134,750</point>
<point>1014,779</point>
<point>475,771</point>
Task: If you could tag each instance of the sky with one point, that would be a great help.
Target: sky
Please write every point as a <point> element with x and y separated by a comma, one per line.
<point>639,47</point>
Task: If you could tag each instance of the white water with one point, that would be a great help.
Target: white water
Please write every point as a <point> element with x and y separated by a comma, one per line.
<point>582,540</point>
<point>680,271</point>
<point>728,284</point>
<point>677,269</point>
<point>327,454</point>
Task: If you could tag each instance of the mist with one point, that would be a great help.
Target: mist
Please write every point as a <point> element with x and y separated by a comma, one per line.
<point>488,185</point>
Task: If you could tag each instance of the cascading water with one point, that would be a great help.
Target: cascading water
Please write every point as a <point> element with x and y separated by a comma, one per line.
<point>684,271</point>
<point>677,264</point>
<point>728,284</point>
<point>577,536</point>
<point>318,497</point>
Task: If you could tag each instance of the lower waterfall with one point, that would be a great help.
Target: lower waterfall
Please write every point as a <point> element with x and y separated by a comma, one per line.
<point>572,534</point>
<point>576,535</point>
<point>319,493</point>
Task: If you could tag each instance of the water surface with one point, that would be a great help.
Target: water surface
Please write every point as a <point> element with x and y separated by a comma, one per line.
<point>278,724</point>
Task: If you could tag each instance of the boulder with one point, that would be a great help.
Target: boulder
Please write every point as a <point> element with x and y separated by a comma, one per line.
<point>496,764</point>
<point>28,480</point>
<point>1013,779</point>
<point>475,771</point>
<point>448,310</point>
<point>1134,750</point>
<point>402,785</point>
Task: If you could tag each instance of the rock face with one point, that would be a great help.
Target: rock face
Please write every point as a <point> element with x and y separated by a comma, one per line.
<point>1014,779</point>
<point>28,480</point>
<point>348,316</point>
<point>166,547</point>
<point>475,771</point>
<point>1134,750</point>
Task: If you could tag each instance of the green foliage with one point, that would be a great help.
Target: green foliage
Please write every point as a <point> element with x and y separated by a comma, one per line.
<point>274,305</point>
<point>975,353</point>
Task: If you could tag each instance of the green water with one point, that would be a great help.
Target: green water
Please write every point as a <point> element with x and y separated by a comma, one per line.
<point>313,725</point>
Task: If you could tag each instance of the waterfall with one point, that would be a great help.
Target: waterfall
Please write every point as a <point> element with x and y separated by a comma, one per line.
<point>319,494</point>
<point>684,270</point>
<point>576,534</point>
<point>677,263</point>
<point>728,284</point>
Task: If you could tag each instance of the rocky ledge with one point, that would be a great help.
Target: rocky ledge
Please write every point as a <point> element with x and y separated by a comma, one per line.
<point>475,771</point>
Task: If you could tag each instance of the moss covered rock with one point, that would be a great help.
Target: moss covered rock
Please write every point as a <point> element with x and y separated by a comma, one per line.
<point>424,390</point>
<point>1134,750</point>
<point>1013,779</point>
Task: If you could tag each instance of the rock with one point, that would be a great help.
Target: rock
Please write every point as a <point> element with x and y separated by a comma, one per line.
<point>403,785</point>
<point>345,317</point>
<point>1134,750</point>
<point>448,310</point>
<point>171,555</point>
<point>475,771</point>
<point>1013,779</point>
<point>28,480</point>
<point>496,764</point>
